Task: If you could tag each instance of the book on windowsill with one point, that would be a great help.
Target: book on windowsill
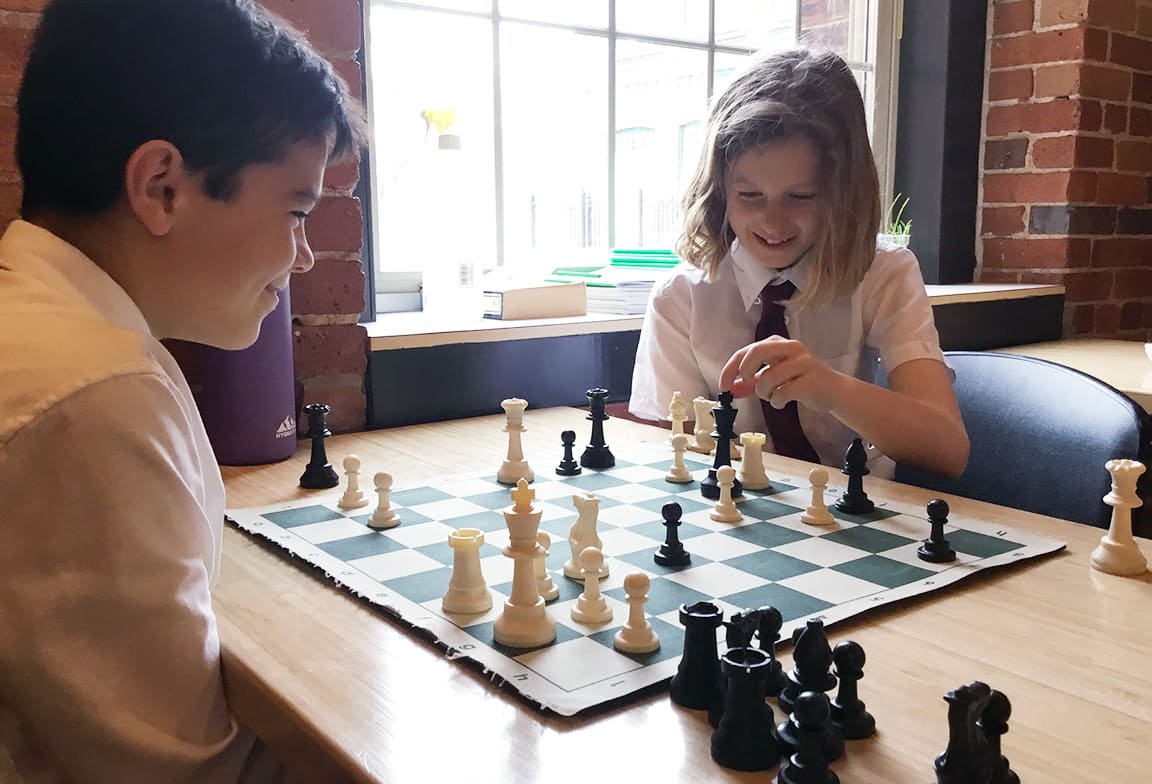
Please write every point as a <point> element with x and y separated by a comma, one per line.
<point>625,283</point>
<point>509,300</point>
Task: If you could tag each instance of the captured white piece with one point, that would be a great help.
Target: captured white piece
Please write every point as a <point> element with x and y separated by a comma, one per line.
<point>1118,552</point>
<point>515,467</point>
<point>385,516</point>
<point>353,497</point>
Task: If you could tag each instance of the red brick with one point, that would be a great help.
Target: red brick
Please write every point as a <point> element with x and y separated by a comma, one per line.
<point>9,204</point>
<point>1144,26</point>
<point>346,396</point>
<point>1012,17</point>
<point>998,276</point>
<point>1037,253</point>
<point>1107,320</point>
<point>1102,81</point>
<point>1139,122</point>
<point>1142,86</point>
<point>1083,319</point>
<point>7,140</point>
<point>1086,286</point>
<point>1122,189</point>
<point>330,350</point>
<point>1053,46</point>
<point>1134,157</point>
<point>22,5</point>
<point>343,176</point>
<point>333,26</point>
<point>1062,114</point>
<point>1002,221</point>
<point>1133,282</point>
<point>1062,12</point>
<point>1072,152</point>
<point>330,288</point>
<point>1057,81</point>
<point>1113,14</point>
<point>1130,51</point>
<point>14,43</point>
<point>1131,315</point>
<point>336,225</point>
<point>1042,188</point>
<point>1122,252</point>
<point>1008,84</point>
<point>1115,118</point>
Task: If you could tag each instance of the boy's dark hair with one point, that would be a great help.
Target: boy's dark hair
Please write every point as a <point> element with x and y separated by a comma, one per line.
<point>222,80</point>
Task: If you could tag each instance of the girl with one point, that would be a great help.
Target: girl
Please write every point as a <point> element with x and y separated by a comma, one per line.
<point>793,306</point>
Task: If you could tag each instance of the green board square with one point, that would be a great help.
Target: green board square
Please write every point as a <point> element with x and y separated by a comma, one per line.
<point>869,539</point>
<point>423,586</point>
<point>360,546</point>
<point>594,482</point>
<point>417,495</point>
<point>791,604</point>
<point>643,559</point>
<point>771,565</point>
<point>763,508</point>
<point>664,595</point>
<point>671,641</point>
<point>879,513</point>
<point>766,535</point>
<point>687,505</point>
<point>980,545</point>
<point>304,515</point>
<point>883,571</point>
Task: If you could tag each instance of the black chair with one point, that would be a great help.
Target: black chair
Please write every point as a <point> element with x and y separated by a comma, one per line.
<point>1041,433</point>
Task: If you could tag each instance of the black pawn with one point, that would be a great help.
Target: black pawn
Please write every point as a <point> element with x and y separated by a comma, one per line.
<point>993,722</point>
<point>848,713</point>
<point>968,757</point>
<point>696,683</point>
<point>597,454</point>
<point>812,657</point>
<point>768,634</point>
<point>935,548</point>
<point>672,552</point>
<point>725,416</point>
<point>319,473</point>
<point>855,500</point>
<point>568,465</point>
<point>745,738</point>
<point>808,765</point>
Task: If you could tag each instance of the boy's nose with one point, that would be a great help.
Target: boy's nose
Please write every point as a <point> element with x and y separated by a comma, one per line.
<point>304,257</point>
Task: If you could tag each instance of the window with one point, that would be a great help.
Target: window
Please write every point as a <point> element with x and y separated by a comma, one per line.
<point>542,133</point>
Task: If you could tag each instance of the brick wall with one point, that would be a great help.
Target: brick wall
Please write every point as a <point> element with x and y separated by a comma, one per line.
<point>1066,195</point>
<point>331,349</point>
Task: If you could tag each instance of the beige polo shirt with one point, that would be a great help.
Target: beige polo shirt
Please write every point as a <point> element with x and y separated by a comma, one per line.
<point>111,515</point>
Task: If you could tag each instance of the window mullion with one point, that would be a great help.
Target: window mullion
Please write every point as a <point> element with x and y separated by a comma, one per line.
<point>497,135</point>
<point>611,123</point>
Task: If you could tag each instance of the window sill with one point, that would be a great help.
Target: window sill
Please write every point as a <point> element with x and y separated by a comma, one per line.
<point>420,329</point>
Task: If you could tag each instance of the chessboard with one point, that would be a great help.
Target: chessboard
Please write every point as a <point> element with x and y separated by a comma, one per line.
<point>770,558</point>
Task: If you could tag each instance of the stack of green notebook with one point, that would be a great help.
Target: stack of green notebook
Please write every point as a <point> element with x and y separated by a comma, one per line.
<point>623,285</point>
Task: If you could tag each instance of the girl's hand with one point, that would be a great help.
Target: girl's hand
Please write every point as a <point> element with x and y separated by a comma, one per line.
<point>780,370</point>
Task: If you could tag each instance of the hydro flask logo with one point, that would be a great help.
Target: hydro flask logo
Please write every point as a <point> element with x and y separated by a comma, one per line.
<point>287,428</point>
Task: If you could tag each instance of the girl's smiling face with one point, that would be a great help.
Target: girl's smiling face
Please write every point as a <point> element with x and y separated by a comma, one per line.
<point>772,198</point>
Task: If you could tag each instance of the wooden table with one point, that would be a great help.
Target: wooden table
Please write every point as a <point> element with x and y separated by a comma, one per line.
<point>1122,363</point>
<point>347,695</point>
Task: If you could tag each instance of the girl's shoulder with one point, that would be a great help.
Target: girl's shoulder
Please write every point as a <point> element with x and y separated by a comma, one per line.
<point>892,260</point>
<point>684,281</point>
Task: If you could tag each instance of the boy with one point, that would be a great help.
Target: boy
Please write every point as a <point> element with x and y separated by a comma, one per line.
<point>170,152</point>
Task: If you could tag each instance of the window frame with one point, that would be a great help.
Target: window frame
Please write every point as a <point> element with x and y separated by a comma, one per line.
<point>399,290</point>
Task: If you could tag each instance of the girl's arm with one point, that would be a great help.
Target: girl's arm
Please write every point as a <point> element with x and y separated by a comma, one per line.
<point>917,421</point>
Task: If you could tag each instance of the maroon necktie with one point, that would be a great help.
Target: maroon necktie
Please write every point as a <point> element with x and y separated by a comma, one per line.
<point>788,438</point>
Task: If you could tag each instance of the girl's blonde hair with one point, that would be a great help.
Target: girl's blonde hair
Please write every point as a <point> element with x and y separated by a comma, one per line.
<point>782,96</point>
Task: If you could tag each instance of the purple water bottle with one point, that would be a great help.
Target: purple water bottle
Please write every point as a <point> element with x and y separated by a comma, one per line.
<point>247,398</point>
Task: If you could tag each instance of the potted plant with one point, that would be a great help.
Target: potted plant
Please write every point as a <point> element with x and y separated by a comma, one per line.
<point>894,228</point>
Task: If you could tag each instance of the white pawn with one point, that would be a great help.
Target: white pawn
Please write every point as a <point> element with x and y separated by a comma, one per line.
<point>705,422</point>
<point>817,512</point>
<point>385,516</point>
<point>515,467</point>
<point>725,510</point>
<point>677,413</point>
<point>1118,552</point>
<point>591,607</point>
<point>468,593</point>
<point>353,497</point>
<point>679,472</point>
<point>636,635</point>
<point>752,473</point>
<point>544,582</point>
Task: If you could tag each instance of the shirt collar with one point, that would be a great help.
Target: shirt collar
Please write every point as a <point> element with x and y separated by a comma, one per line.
<point>29,249</point>
<point>752,276</point>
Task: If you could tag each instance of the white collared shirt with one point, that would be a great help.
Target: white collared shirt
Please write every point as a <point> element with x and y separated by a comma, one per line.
<point>692,327</point>
<point>111,518</point>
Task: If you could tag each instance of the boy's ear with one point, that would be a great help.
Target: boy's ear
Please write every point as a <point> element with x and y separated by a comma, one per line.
<point>154,181</point>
